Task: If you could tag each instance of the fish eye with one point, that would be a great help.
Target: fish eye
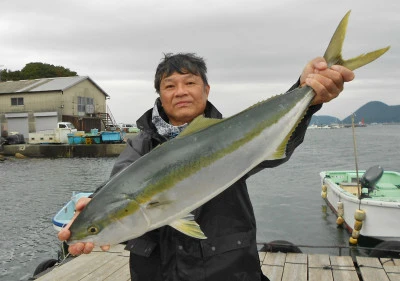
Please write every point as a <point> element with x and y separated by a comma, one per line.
<point>93,230</point>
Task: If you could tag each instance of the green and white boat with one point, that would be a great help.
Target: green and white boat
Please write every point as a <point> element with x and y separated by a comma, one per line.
<point>370,208</point>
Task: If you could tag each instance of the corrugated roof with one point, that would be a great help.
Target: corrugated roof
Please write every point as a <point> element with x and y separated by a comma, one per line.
<point>13,86</point>
<point>43,85</point>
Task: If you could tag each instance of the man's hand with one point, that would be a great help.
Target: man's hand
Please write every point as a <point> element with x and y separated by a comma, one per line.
<point>326,82</point>
<point>64,234</point>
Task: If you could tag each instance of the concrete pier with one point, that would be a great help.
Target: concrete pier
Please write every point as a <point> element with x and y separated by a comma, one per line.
<point>64,150</point>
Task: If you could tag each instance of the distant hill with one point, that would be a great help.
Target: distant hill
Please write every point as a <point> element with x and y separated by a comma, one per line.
<point>376,112</point>
<point>372,112</point>
<point>322,120</point>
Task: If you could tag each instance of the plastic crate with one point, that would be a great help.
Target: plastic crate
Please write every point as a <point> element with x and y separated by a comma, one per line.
<point>111,137</point>
<point>72,139</point>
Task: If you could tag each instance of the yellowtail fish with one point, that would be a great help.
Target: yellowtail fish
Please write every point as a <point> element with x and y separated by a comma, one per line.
<point>164,186</point>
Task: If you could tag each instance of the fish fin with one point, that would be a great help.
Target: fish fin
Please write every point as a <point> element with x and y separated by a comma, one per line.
<point>189,227</point>
<point>333,54</point>
<point>198,124</point>
<point>280,152</point>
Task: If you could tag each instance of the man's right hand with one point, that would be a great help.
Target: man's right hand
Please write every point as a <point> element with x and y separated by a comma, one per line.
<point>64,234</point>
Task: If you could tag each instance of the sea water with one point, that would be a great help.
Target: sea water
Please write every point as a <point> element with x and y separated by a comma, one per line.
<point>286,199</point>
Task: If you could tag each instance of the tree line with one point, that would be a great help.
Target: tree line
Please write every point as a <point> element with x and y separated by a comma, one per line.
<point>36,70</point>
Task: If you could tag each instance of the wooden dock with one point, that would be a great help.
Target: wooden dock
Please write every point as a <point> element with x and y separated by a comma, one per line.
<point>316,267</point>
<point>114,265</point>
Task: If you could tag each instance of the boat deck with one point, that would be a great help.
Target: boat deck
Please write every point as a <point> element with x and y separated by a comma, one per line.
<point>114,265</point>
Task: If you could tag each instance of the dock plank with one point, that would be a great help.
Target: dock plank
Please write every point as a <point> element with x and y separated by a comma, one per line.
<point>319,268</point>
<point>82,266</point>
<point>273,264</point>
<point>391,264</point>
<point>109,268</point>
<point>294,272</point>
<point>343,268</point>
<point>392,268</point>
<point>295,267</point>
<point>261,256</point>
<point>371,269</point>
<point>121,275</point>
<point>276,259</point>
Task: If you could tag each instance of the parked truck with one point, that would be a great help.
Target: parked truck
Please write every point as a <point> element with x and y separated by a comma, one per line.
<point>57,135</point>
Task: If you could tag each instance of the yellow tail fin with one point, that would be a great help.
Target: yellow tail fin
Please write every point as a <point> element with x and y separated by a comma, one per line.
<point>333,54</point>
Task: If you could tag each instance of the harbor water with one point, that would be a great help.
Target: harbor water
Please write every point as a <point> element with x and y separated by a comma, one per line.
<point>286,199</point>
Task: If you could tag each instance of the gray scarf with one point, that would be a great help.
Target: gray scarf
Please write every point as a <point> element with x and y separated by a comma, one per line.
<point>163,128</point>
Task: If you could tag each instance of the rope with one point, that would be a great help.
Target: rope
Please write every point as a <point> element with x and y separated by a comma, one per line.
<point>356,160</point>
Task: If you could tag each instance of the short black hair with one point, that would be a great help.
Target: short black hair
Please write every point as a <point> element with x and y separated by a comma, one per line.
<point>181,63</point>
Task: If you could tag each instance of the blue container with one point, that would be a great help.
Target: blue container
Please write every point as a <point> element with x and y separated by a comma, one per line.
<point>111,137</point>
<point>94,131</point>
<point>72,139</point>
<point>79,140</point>
<point>96,139</point>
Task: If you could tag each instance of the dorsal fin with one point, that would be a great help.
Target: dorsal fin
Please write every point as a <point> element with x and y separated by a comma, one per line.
<point>198,124</point>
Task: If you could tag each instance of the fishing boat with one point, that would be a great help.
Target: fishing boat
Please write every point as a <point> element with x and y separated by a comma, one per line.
<point>65,214</point>
<point>366,202</point>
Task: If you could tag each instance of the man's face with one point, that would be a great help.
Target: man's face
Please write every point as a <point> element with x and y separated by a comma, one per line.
<point>183,97</point>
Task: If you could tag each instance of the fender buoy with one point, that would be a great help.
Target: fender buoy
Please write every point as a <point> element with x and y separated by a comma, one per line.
<point>280,246</point>
<point>355,234</point>
<point>324,192</point>
<point>44,266</point>
<point>353,241</point>
<point>359,216</point>
<point>358,225</point>
<point>339,221</point>
<point>340,213</point>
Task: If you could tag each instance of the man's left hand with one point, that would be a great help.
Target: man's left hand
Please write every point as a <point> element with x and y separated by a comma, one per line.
<point>327,83</point>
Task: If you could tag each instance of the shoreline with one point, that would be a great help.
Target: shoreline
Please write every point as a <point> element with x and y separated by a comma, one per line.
<point>64,150</point>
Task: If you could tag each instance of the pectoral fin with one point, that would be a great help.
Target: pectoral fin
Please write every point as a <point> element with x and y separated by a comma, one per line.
<point>188,227</point>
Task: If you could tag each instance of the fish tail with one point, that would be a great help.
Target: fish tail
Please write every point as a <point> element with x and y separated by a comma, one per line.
<point>333,54</point>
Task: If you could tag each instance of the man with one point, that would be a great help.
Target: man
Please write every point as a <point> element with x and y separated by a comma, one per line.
<point>230,250</point>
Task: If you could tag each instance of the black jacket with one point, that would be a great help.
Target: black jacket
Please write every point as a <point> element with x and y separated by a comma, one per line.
<point>230,251</point>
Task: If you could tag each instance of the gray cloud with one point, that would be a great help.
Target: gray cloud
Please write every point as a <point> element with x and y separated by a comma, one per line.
<point>254,49</point>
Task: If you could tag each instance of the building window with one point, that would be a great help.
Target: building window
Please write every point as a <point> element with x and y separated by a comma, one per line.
<point>17,101</point>
<point>82,102</point>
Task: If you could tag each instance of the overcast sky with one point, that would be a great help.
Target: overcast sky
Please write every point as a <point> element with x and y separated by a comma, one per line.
<point>253,49</point>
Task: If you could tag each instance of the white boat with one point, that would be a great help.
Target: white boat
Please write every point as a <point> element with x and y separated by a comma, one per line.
<point>378,198</point>
<point>65,214</point>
